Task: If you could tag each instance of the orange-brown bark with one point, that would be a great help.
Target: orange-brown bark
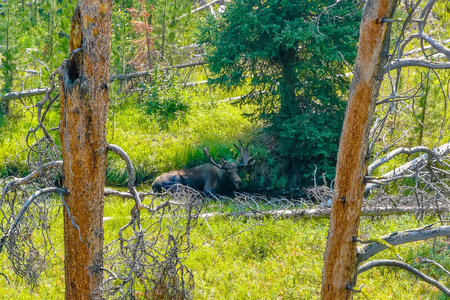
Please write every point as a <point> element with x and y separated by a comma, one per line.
<point>84,94</point>
<point>340,253</point>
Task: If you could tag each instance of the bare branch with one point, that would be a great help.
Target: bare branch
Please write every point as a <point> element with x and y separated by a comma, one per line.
<point>200,8</point>
<point>242,231</point>
<point>426,260</point>
<point>404,266</point>
<point>23,94</point>
<point>130,170</point>
<point>24,208</point>
<point>30,177</point>
<point>127,195</point>
<point>415,62</point>
<point>124,195</point>
<point>415,51</point>
<point>398,238</point>
<point>411,166</point>
<point>42,91</point>
<point>398,151</point>
<point>149,72</point>
<point>6,277</point>
<point>436,45</point>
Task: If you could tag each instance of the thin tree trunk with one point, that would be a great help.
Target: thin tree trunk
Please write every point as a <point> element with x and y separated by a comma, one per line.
<point>51,29</point>
<point>163,30</point>
<point>340,253</point>
<point>84,94</point>
<point>7,65</point>
<point>424,108</point>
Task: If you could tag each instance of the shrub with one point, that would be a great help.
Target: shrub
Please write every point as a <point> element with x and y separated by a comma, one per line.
<point>162,97</point>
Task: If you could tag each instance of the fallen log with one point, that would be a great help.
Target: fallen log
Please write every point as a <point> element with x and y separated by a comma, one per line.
<point>323,213</point>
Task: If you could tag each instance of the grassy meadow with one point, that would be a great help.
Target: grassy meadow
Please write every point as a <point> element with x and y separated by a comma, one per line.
<point>164,126</point>
<point>236,258</point>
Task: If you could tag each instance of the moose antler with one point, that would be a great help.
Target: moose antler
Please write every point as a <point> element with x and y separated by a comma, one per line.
<point>211,160</point>
<point>245,154</point>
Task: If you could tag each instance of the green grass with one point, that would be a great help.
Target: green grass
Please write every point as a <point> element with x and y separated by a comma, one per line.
<point>283,260</point>
<point>153,146</point>
<point>154,149</point>
<point>272,259</point>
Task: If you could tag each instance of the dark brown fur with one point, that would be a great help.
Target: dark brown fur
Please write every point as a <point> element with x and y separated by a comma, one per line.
<point>205,178</point>
<point>210,178</point>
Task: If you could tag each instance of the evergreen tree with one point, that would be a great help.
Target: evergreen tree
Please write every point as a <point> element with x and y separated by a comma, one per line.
<point>292,55</point>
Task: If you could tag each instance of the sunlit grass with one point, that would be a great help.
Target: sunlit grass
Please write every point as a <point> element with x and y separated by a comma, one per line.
<point>154,145</point>
<point>283,259</point>
<point>237,258</point>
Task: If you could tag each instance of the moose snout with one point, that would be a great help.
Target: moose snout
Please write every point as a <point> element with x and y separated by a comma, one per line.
<point>238,184</point>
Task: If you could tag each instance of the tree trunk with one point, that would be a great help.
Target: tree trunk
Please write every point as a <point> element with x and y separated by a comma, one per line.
<point>340,252</point>
<point>84,94</point>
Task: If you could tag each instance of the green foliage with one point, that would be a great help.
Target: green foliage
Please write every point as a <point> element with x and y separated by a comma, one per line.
<point>261,244</point>
<point>294,64</point>
<point>163,98</point>
<point>121,40</point>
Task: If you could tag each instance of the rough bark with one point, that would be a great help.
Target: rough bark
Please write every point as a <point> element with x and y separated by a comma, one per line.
<point>340,253</point>
<point>84,94</point>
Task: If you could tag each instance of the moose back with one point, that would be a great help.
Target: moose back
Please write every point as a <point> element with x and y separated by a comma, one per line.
<point>210,178</point>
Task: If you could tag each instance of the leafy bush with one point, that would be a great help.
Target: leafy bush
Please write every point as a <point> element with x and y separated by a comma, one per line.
<point>163,98</point>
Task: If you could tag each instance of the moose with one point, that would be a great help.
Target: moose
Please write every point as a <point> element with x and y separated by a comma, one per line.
<point>210,178</point>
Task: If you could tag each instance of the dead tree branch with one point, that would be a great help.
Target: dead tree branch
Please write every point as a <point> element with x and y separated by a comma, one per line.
<point>416,62</point>
<point>27,179</point>
<point>6,278</point>
<point>130,169</point>
<point>150,249</point>
<point>42,91</point>
<point>408,168</point>
<point>149,72</point>
<point>398,238</point>
<point>24,208</point>
<point>426,260</point>
<point>404,266</point>
<point>200,8</point>
<point>398,151</point>
<point>23,94</point>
